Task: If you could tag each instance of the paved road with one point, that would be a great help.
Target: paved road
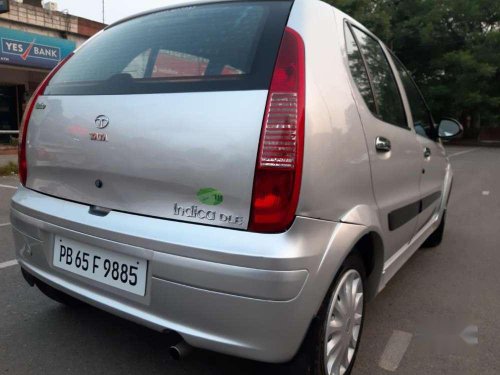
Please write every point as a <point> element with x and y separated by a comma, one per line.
<point>456,282</point>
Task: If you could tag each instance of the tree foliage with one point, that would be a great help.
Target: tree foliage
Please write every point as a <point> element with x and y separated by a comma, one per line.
<point>452,47</point>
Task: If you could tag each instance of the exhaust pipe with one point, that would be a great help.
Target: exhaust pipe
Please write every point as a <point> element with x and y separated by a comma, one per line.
<point>180,350</point>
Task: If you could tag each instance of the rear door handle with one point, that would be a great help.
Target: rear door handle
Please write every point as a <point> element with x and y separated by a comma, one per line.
<point>383,144</point>
<point>427,152</point>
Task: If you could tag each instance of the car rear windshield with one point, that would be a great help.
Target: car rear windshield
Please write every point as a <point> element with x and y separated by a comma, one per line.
<point>210,47</point>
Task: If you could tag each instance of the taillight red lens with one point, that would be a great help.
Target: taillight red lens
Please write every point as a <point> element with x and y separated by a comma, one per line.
<point>23,166</point>
<point>278,172</point>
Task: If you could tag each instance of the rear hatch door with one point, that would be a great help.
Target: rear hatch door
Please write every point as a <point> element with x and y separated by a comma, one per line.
<point>161,115</point>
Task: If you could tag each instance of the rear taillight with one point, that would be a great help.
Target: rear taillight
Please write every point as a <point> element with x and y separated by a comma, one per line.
<point>278,172</point>
<point>23,167</point>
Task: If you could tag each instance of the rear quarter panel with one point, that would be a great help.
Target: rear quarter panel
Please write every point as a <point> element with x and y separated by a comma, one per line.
<point>336,175</point>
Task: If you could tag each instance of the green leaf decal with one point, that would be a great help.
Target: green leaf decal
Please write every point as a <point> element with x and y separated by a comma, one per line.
<point>210,196</point>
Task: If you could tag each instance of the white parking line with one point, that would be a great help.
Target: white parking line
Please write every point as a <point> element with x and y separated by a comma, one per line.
<point>462,152</point>
<point>395,350</point>
<point>8,187</point>
<point>10,263</point>
<point>4,225</point>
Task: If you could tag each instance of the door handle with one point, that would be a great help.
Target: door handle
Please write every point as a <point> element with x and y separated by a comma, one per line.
<point>382,144</point>
<point>427,152</point>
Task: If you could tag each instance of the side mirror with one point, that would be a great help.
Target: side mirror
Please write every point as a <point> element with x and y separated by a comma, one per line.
<point>449,128</point>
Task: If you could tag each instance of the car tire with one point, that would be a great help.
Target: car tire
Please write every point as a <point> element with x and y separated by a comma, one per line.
<point>57,295</point>
<point>436,237</point>
<point>312,358</point>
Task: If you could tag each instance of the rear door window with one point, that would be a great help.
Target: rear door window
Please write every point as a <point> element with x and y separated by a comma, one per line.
<point>358,70</point>
<point>222,46</point>
<point>388,99</point>
<point>422,118</point>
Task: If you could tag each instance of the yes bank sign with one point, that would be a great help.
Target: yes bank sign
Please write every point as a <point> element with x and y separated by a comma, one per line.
<point>27,49</point>
<point>30,50</point>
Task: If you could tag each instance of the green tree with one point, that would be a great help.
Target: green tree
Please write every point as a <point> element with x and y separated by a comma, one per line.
<point>452,47</point>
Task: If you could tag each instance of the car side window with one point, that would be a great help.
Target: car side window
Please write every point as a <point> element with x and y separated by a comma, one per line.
<point>422,118</point>
<point>358,70</point>
<point>385,90</point>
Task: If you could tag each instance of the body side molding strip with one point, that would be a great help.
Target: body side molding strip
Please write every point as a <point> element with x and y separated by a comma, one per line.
<point>403,215</point>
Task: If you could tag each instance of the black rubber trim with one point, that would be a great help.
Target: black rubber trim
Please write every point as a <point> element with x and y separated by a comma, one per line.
<point>30,279</point>
<point>429,200</point>
<point>403,215</point>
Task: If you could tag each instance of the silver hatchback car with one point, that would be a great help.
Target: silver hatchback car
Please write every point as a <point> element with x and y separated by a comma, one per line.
<point>247,174</point>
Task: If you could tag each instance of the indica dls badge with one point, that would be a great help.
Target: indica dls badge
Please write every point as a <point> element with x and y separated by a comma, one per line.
<point>210,196</point>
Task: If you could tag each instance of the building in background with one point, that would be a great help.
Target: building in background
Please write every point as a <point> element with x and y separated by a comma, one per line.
<point>34,38</point>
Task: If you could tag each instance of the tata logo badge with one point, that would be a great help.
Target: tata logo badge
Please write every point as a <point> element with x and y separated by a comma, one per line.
<point>101,121</point>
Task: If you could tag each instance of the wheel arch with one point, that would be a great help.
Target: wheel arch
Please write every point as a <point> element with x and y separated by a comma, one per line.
<point>350,239</point>
<point>370,249</point>
<point>368,245</point>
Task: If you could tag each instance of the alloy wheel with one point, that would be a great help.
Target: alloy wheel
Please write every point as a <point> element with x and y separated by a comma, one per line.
<point>343,324</point>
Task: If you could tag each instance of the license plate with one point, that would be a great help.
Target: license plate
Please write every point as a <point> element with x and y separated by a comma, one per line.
<point>117,270</point>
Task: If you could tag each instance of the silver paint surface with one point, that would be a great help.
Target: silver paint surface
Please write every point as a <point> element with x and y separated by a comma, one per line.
<point>160,149</point>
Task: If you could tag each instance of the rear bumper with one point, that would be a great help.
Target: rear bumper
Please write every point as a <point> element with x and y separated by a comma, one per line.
<point>240,293</point>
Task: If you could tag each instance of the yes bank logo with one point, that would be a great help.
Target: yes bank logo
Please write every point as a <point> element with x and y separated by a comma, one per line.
<point>28,50</point>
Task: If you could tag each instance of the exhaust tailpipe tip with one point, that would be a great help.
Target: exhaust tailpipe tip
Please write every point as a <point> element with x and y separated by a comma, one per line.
<point>180,350</point>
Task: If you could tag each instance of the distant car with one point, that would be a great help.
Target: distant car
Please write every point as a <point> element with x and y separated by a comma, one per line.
<point>247,174</point>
